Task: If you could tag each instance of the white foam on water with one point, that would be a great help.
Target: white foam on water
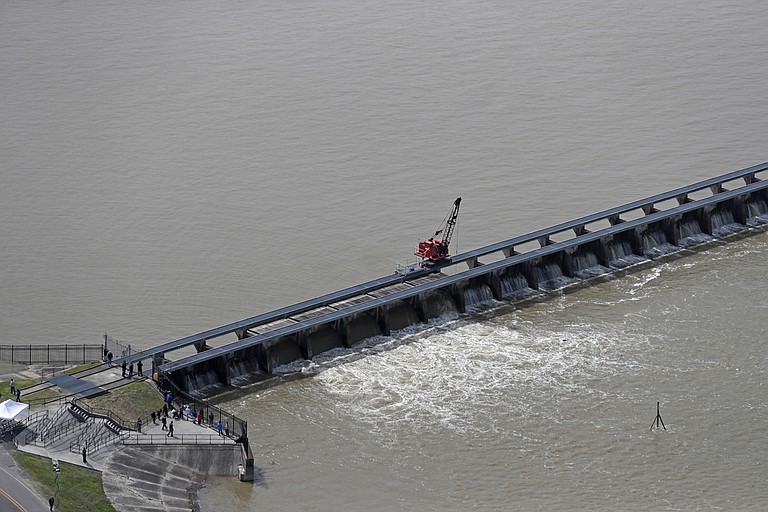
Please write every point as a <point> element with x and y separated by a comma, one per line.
<point>428,384</point>
<point>646,277</point>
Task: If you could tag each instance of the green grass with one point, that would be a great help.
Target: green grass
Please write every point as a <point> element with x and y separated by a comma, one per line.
<point>129,402</point>
<point>35,398</point>
<point>5,387</point>
<point>80,368</point>
<point>79,488</point>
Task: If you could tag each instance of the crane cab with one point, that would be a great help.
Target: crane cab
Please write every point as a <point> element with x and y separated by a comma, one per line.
<point>436,249</point>
<point>432,250</point>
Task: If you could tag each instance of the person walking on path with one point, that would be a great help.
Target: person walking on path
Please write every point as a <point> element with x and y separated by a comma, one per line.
<point>140,367</point>
<point>85,453</point>
<point>18,395</point>
<point>130,371</point>
<point>200,417</point>
<point>13,386</point>
<point>219,427</point>
<point>165,410</point>
<point>125,365</point>
<point>164,422</point>
<point>138,425</point>
<point>170,429</point>
<point>153,418</point>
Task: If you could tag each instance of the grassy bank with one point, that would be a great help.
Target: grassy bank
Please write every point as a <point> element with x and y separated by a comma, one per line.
<point>129,402</point>
<point>48,394</point>
<point>79,488</point>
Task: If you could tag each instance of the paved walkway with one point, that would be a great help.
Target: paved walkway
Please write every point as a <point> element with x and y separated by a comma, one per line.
<point>184,432</point>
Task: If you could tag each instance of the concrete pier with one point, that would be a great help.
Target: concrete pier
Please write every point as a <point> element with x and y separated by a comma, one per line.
<point>541,261</point>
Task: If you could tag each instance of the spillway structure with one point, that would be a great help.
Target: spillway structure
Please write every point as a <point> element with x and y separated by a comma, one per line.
<point>534,264</point>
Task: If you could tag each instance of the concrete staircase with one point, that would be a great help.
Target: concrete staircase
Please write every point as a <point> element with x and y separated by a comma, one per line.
<point>137,481</point>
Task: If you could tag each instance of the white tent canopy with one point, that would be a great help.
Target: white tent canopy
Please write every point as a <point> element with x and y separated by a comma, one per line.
<point>10,409</point>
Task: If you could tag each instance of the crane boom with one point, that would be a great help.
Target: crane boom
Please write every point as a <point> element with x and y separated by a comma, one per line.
<point>436,249</point>
<point>450,224</point>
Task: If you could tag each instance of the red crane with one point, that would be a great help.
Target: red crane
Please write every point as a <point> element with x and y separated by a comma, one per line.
<point>436,249</point>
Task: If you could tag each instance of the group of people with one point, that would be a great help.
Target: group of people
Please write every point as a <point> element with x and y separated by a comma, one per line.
<point>129,368</point>
<point>184,412</point>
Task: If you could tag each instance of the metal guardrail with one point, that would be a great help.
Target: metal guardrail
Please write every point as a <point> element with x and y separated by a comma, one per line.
<point>269,338</point>
<point>613,214</point>
<point>95,442</point>
<point>177,439</point>
<point>53,434</point>
<point>16,426</point>
<point>278,314</point>
<point>238,426</point>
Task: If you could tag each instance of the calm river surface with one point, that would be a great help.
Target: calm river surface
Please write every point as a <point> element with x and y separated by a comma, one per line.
<point>169,167</point>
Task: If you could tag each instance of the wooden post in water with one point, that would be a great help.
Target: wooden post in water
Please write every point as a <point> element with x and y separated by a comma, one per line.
<point>658,419</point>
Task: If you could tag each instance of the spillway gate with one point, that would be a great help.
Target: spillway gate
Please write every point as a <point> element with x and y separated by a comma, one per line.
<point>534,263</point>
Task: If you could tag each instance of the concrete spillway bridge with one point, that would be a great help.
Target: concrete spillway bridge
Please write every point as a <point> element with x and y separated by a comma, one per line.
<point>567,252</point>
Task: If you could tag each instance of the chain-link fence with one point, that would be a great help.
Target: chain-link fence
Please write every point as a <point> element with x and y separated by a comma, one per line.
<point>61,354</point>
<point>118,348</point>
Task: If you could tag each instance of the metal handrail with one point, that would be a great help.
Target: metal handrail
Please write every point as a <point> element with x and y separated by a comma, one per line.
<point>55,433</point>
<point>11,425</point>
<point>104,415</point>
<point>164,439</point>
<point>218,413</point>
<point>93,444</point>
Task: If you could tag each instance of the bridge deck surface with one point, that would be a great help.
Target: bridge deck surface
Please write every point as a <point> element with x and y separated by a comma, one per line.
<point>385,285</point>
<point>459,277</point>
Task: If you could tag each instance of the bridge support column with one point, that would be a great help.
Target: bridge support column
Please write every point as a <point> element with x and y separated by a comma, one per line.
<point>509,251</point>
<point>302,340</point>
<point>263,358</point>
<point>493,280</point>
<point>457,294</point>
<point>529,272</point>
<point>221,368</point>
<point>417,302</point>
<point>342,327</point>
<point>739,210</point>
<point>602,252</point>
<point>382,318</point>
<point>704,218</point>
<point>672,229</point>
<point>636,240</point>
<point>566,261</point>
